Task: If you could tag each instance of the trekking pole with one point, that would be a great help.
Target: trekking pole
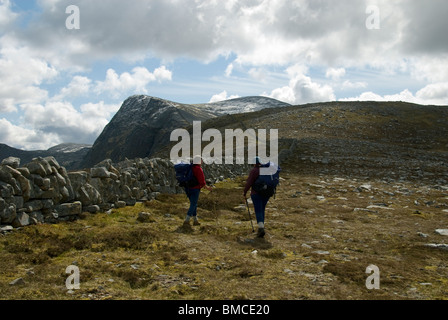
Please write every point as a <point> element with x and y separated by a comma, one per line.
<point>214,210</point>
<point>247,205</point>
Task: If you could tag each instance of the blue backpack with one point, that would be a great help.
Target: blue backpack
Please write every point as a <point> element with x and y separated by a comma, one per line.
<point>185,176</point>
<point>266,185</point>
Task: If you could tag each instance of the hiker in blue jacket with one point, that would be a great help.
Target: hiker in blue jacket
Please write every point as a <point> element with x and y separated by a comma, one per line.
<point>258,201</point>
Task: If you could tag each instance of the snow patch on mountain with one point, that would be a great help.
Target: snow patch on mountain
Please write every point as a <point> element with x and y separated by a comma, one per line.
<point>69,147</point>
<point>242,105</point>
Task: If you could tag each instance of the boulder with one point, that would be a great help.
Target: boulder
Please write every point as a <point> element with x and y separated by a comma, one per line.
<point>120,204</point>
<point>25,186</point>
<point>60,179</point>
<point>51,193</point>
<point>12,162</point>
<point>65,195</point>
<point>37,168</point>
<point>69,209</point>
<point>22,219</point>
<point>24,171</point>
<point>34,205</point>
<point>92,209</point>
<point>88,195</point>
<point>145,217</point>
<point>36,217</point>
<point>5,229</point>
<point>7,173</point>
<point>78,179</point>
<point>19,201</point>
<point>52,162</point>
<point>100,172</point>
<point>17,282</point>
<point>51,217</point>
<point>6,190</point>
<point>442,232</point>
<point>8,214</point>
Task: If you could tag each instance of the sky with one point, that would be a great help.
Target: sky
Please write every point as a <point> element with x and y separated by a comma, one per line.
<point>66,66</point>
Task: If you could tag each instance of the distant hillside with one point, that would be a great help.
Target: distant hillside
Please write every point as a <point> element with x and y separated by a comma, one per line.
<point>387,139</point>
<point>143,124</point>
<point>68,155</point>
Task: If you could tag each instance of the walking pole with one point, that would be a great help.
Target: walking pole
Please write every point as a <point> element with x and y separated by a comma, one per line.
<point>247,205</point>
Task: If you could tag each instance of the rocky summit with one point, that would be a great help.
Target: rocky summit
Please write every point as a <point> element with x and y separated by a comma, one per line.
<point>142,125</point>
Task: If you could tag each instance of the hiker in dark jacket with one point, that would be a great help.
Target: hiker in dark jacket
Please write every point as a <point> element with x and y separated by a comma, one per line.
<point>193,192</point>
<point>258,201</point>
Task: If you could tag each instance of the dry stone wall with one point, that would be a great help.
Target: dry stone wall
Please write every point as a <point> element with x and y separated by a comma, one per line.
<point>42,191</point>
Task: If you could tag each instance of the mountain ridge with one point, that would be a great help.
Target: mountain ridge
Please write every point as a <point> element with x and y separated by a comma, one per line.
<point>143,124</point>
<point>68,155</point>
<point>367,133</point>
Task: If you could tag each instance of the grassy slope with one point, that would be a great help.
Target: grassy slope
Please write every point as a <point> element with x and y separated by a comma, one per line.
<point>121,258</point>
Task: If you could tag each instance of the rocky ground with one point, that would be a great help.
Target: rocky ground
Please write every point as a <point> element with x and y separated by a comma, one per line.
<point>322,233</point>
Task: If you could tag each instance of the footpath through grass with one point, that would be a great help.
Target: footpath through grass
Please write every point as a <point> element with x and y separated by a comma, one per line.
<point>322,234</point>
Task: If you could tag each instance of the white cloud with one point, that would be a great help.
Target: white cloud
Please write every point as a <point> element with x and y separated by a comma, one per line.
<point>21,75</point>
<point>302,89</point>
<point>436,94</point>
<point>163,74</point>
<point>79,86</point>
<point>98,110</point>
<point>62,120</point>
<point>258,74</point>
<point>26,139</point>
<point>432,69</point>
<point>265,32</point>
<point>405,95</point>
<point>222,96</point>
<point>6,15</point>
<point>347,84</point>
<point>49,4</point>
<point>135,82</point>
<point>335,74</point>
<point>229,70</point>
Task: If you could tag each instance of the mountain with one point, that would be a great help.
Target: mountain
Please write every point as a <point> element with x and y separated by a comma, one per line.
<point>68,155</point>
<point>242,105</point>
<point>392,140</point>
<point>143,124</point>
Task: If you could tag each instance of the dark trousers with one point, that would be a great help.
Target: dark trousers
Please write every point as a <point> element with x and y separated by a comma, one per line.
<point>259,206</point>
<point>193,196</point>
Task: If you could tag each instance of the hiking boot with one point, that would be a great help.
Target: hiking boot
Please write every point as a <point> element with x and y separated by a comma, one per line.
<point>196,223</point>
<point>186,223</point>
<point>260,233</point>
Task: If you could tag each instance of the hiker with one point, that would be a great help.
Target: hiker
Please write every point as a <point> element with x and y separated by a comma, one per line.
<point>258,201</point>
<point>193,192</point>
